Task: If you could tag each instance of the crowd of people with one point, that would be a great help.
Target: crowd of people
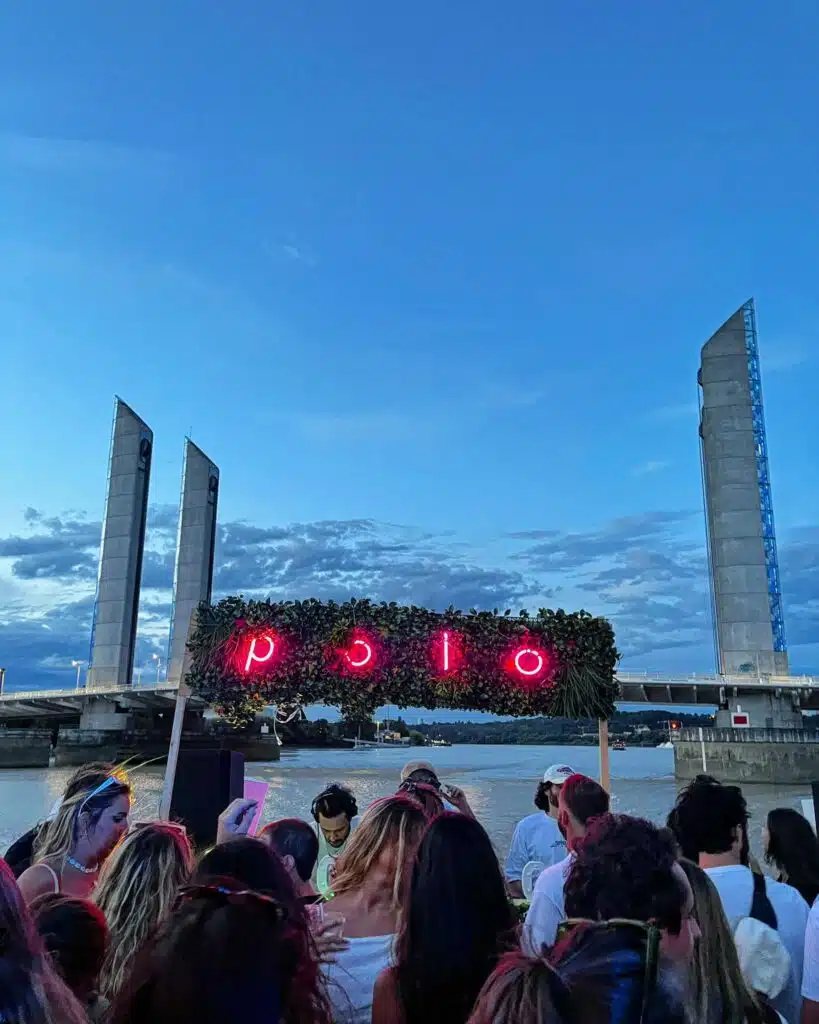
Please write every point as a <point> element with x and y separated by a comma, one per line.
<point>403,914</point>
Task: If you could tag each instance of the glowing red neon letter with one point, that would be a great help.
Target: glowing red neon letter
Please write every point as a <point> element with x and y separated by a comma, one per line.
<point>445,648</point>
<point>528,652</point>
<point>252,656</point>
<point>366,654</point>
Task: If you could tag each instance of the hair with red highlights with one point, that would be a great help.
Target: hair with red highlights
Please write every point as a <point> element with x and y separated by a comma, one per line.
<point>226,954</point>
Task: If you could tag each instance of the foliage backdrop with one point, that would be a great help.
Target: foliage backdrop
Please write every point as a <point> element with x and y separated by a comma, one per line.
<point>580,682</point>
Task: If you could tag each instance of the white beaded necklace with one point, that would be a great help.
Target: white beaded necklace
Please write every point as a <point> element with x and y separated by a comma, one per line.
<point>80,867</point>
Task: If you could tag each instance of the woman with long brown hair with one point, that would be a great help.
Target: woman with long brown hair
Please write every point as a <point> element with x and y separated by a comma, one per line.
<point>456,923</point>
<point>71,848</point>
<point>718,990</point>
<point>366,904</point>
<point>136,891</point>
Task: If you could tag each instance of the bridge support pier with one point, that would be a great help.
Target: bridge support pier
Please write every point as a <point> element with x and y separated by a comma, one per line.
<point>772,710</point>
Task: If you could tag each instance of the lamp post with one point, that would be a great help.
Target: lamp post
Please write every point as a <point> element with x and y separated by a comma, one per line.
<point>157,658</point>
<point>78,666</point>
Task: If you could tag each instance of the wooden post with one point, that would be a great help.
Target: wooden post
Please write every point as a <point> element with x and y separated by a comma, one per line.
<point>605,769</point>
<point>173,751</point>
<point>182,695</point>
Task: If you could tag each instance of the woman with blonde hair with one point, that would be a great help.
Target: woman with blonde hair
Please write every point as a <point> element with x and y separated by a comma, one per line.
<point>136,891</point>
<point>31,992</point>
<point>366,903</point>
<point>72,846</point>
<point>718,990</point>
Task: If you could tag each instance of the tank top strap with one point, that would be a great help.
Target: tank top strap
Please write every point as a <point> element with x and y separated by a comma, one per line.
<point>54,875</point>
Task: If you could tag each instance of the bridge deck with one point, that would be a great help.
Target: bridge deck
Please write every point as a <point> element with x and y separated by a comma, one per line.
<point>635,688</point>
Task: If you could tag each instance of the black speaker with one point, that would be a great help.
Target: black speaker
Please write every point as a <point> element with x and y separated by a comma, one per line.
<point>206,782</point>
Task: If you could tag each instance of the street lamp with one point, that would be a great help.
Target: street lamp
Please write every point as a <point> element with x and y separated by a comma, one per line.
<point>158,659</point>
<point>78,665</point>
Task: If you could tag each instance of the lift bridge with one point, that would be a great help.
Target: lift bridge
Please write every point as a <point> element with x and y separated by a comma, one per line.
<point>636,688</point>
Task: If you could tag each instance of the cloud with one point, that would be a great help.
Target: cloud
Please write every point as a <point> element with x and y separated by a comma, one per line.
<point>297,254</point>
<point>674,411</point>
<point>647,468</point>
<point>786,356</point>
<point>647,572</point>
<point>330,559</point>
<point>82,156</point>
<point>381,426</point>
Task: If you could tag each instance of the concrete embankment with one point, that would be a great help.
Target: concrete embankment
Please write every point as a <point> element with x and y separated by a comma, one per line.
<point>34,748</point>
<point>773,756</point>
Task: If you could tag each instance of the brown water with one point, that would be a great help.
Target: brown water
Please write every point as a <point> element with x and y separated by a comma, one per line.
<point>499,782</point>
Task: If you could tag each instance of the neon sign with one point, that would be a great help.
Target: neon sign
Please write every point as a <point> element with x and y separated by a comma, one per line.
<point>359,655</point>
<point>261,651</point>
<point>528,661</point>
<point>446,652</point>
<point>448,656</point>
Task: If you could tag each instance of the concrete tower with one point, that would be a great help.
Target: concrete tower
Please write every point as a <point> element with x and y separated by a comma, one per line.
<point>193,574</point>
<point>123,538</point>
<point>745,590</point>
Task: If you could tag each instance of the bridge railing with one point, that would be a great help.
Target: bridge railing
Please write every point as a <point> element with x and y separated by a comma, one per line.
<point>88,691</point>
<point>760,682</point>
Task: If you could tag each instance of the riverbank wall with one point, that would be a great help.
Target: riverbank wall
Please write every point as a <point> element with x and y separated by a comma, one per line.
<point>37,748</point>
<point>25,748</point>
<point>772,756</point>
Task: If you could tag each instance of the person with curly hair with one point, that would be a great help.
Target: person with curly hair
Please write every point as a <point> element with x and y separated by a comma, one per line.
<point>608,974</point>
<point>653,888</point>
<point>712,819</point>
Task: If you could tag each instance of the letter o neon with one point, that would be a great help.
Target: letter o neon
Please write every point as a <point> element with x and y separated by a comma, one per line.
<point>368,655</point>
<point>532,653</point>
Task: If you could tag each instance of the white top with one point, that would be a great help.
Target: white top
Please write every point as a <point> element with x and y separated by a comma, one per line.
<point>351,977</point>
<point>810,977</point>
<point>537,837</point>
<point>736,889</point>
<point>548,908</point>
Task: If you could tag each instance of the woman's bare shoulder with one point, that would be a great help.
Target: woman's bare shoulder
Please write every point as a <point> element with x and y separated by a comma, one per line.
<point>38,880</point>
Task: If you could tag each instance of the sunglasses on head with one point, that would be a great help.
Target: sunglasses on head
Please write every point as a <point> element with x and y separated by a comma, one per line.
<point>647,932</point>
<point>107,783</point>
<point>238,897</point>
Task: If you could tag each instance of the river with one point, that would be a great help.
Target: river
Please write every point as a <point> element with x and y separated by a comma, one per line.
<point>499,782</point>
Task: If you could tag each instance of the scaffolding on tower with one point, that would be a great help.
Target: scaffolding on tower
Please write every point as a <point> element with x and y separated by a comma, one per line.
<point>763,478</point>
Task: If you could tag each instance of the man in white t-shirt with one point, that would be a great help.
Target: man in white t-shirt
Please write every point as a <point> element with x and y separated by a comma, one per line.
<point>713,819</point>
<point>537,836</point>
<point>810,977</point>
<point>581,799</point>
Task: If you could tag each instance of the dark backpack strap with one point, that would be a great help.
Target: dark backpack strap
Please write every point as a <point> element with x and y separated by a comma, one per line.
<point>761,907</point>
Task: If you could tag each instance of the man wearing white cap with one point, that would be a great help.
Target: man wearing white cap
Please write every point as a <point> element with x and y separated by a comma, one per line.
<point>537,837</point>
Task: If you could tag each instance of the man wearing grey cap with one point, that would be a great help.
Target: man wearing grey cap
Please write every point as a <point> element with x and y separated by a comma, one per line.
<point>423,773</point>
<point>537,837</point>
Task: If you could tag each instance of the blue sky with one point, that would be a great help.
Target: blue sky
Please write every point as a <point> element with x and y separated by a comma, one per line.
<point>428,283</point>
